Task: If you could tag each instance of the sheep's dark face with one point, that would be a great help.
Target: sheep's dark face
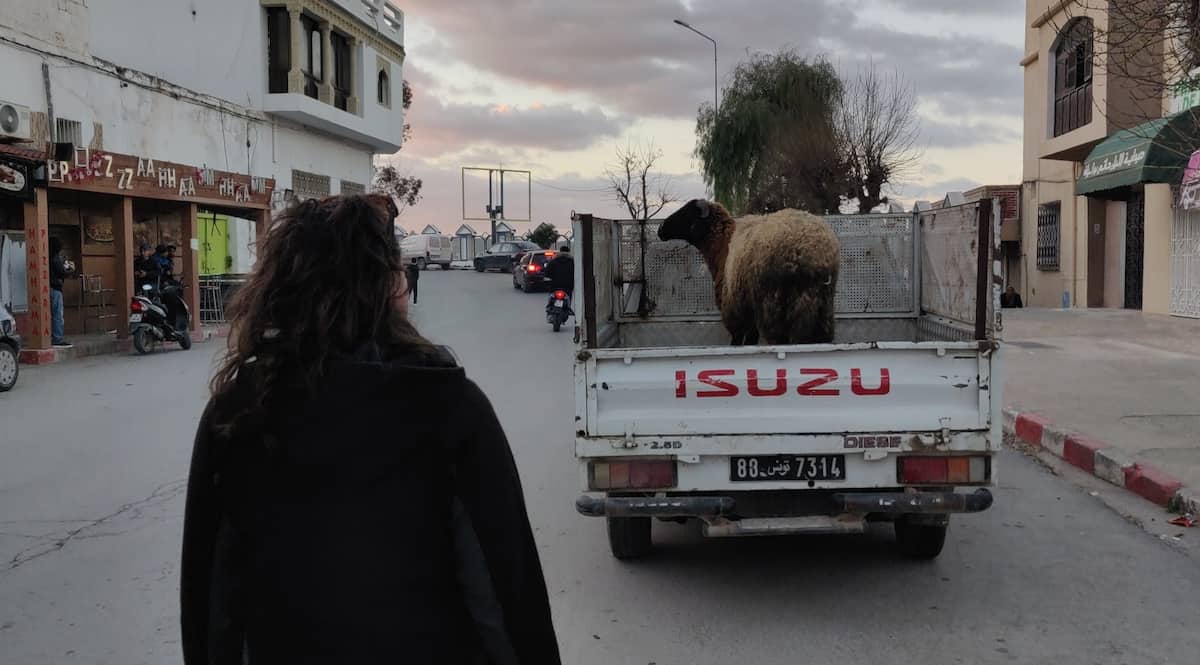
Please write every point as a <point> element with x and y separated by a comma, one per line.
<point>691,222</point>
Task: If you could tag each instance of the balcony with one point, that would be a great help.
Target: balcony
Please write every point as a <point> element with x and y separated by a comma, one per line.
<point>382,136</point>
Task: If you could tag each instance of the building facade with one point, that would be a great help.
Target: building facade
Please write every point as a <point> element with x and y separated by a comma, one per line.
<point>182,123</point>
<point>1105,149</point>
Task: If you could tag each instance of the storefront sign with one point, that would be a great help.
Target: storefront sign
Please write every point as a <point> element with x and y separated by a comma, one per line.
<point>145,177</point>
<point>16,179</point>
<point>1126,159</point>
<point>1189,187</point>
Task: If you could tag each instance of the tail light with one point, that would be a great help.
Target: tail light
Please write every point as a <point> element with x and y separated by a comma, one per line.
<point>136,305</point>
<point>942,470</point>
<point>533,267</point>
<point>560,295</point>
<point>549,255</point>
<point>631,474</point>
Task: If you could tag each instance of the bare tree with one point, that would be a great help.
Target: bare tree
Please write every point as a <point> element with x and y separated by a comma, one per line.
<point>877,121</point>
<point>637,185</point>
<point>405,190</point>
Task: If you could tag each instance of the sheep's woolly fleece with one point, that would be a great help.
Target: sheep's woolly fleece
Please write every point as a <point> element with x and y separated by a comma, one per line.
<point>780,275</point>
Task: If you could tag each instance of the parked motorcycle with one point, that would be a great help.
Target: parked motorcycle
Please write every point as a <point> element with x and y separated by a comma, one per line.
<point>159,315</point>
<point>558,309</point>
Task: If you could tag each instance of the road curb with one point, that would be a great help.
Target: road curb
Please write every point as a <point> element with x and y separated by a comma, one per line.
<point>1104,461</point>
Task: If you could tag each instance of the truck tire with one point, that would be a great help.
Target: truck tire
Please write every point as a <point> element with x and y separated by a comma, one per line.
<point>420,264</point>
<point>629,537</point>
<point>919,541</point>
<point>445,266</point>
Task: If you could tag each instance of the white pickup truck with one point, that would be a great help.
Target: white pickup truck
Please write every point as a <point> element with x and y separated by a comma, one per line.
<point>897,421</point>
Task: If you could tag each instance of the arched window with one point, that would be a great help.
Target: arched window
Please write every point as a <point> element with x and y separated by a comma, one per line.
<point>384,89</point>
<point>1073,76</point>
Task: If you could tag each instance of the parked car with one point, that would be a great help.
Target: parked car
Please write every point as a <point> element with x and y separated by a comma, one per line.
<point>10,350</point>
<point>427,250</point>
<point>504,255</point>
<point>530,272</point>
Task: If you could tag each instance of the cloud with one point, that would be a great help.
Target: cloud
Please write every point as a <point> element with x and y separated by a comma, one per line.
<point>962,7</point>
<point>440,128</point>
<point>938,134</point>
<point>631,56</point>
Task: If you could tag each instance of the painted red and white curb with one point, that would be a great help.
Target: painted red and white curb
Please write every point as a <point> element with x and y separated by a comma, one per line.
<point>1102,460</point>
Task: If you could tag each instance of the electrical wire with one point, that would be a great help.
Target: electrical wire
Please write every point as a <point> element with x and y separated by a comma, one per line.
<point>571,189</point>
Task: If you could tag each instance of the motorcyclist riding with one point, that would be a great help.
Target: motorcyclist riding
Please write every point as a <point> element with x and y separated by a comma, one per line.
<point>561,271</point>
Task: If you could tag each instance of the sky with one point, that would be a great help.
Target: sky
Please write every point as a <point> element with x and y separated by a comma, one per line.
<point>556,87</point>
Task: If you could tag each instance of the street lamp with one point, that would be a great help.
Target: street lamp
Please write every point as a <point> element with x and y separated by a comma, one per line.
<point>716,103</point>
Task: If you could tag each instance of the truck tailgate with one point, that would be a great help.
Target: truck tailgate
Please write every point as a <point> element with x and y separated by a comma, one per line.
<point>817,389</point>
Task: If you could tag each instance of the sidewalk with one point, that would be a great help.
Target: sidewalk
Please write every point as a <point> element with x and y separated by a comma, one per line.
<point>97,344</point>
<point>1119,382</point>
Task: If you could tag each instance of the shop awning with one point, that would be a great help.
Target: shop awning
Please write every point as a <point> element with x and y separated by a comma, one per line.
<point>1155,151</point>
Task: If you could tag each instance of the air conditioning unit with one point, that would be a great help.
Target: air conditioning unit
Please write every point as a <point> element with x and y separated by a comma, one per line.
<point>14,123</point>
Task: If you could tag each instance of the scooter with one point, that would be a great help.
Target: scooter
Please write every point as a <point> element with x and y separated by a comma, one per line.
<point>159,315</point>
<point>558,309</point>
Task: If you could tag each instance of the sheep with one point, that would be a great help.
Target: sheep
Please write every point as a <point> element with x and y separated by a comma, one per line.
<point>774,275</point>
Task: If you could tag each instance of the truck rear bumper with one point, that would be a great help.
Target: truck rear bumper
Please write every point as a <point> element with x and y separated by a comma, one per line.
<point>854,503</point>
<point>896,503</point>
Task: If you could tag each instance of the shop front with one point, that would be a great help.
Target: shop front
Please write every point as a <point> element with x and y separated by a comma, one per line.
<point>22,170</point>
<point>1136,231</point>
<point>101,207</point>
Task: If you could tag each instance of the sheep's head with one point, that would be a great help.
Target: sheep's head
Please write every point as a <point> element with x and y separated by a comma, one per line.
<point>692,222</point>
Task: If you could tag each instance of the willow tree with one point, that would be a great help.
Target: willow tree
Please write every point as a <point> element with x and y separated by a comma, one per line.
<point>774,143</point>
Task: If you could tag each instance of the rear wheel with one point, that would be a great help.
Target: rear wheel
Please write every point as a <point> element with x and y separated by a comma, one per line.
<point>478,265</point>
<point>185,340</point>
<point>445,266</point>
<point>628,537</point>
<point>557,325</point>
<point>420,264</point>
<point>9,368</point>
<point>919,541</point>
<point>140,342</point>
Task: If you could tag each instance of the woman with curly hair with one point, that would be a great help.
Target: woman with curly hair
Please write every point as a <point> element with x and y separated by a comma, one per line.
<point>352,497</point>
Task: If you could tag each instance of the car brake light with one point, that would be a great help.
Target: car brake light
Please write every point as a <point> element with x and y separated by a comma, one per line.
<point>532,267</point>
<point>941,470</point>
<point>549,255</point>
<point>560,295</point>
<point>631,474</point>
<point>135,305</point>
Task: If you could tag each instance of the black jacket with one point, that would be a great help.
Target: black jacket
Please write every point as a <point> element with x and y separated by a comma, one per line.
<point>561,271</point>
<point>386,524</point>
<point>58,271</point>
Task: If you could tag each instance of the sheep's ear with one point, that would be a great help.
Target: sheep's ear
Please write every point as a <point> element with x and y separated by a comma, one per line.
<point>704,208</point>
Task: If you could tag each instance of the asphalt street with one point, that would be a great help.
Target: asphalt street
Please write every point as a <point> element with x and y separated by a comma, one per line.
<point>93,457</point>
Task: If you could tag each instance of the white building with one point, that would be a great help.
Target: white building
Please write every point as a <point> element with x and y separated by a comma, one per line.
<point>233,106</point>
<point>302,91</point>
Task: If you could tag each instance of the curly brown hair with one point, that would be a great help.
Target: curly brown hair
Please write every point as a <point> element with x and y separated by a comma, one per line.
<point>325,285</point>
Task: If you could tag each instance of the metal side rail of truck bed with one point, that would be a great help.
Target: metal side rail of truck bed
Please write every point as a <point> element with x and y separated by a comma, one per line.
<point>896,421</point>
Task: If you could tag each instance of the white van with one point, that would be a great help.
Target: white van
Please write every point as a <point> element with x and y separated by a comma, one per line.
<point>427,250</point>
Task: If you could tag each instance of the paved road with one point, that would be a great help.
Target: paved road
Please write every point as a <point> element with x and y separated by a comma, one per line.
<point>92,458</point>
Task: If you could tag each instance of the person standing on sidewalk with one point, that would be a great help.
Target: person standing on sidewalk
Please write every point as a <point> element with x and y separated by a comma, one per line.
<point>60,270</point>
<point>414,277</point>
<point>352,497</point>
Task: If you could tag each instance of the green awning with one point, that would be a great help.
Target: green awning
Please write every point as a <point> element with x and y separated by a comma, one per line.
<point>1155,151</point>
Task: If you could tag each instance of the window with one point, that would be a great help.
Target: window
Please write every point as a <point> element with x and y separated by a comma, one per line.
<point>1047,236</point>
<point>1073,77</point>
<point>342,71</point>
<point>307,185</point>
<point>349,187</point>
<point>68,131</point>
<point>384,90</point>
<point>279,49</point>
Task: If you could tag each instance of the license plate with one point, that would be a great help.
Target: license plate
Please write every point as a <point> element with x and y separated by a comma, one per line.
<point>135,318</point>
<point>761,468</point>
<point>558,303</point>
